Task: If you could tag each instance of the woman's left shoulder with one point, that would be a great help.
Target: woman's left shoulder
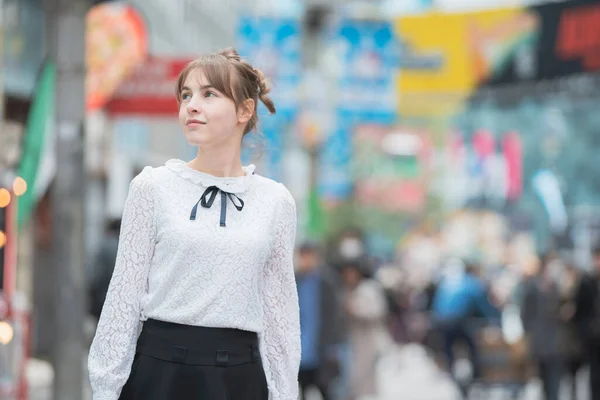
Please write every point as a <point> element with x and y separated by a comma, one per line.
<point>276,191</point>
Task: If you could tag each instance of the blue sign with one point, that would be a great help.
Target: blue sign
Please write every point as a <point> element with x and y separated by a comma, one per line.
<point>369,54</point>
<point>274,46</point>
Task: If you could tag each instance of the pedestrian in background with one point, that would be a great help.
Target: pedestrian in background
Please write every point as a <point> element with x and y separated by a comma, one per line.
<point>587,319</point>
<point>545,329</point>
<point>460,297</point>
<point>103,266</point>
<point>575,354</point>
<point>366,307</point>
<point>320,321</point>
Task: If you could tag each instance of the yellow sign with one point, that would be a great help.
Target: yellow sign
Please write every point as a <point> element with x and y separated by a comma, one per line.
<point>445,56</point>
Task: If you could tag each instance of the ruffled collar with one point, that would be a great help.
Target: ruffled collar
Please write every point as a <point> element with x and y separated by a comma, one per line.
<point>238,184</point>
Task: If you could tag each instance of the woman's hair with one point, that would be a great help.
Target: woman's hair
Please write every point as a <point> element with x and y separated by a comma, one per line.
<point>233,76</point>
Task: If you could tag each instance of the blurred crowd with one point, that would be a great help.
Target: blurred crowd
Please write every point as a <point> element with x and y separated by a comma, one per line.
<point>510,324</point>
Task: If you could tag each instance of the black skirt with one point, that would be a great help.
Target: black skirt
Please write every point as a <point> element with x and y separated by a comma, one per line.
<point>181,362</point>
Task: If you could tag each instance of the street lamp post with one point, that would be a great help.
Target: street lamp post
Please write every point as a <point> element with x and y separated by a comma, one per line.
<point>66,44</point>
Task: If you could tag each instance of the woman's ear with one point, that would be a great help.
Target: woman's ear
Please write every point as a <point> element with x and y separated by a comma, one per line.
<point>246,111</point>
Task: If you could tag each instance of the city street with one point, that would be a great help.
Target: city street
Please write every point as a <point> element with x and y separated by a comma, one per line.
<point>404,374</point>
<point>407,374</point>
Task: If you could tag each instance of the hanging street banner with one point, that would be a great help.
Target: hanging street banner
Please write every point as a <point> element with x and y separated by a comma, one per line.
<point>116,43</point>
<point>37,144</point>
<point>368,54</point>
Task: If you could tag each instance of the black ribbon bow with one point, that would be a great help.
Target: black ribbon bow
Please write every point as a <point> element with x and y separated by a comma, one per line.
<point>207,202</point>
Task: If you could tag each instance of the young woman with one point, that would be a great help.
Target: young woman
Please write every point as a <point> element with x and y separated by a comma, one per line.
<point>204,265</point>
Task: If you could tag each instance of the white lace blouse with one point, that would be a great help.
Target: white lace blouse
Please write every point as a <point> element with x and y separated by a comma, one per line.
<point>177,263</point>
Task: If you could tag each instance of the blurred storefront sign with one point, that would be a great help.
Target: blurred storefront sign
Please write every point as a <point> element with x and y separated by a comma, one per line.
<point>441,67</point>
<point>116,43</point>
<point>390,167</point>
<point>466,48</point>
<point>23,45</point>
<point>483,170</point>
<point>567,43</point>
<point>391,173</point>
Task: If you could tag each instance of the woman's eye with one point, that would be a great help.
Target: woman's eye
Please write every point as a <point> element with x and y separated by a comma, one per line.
<point>186,96</point>
<point>210,94</point>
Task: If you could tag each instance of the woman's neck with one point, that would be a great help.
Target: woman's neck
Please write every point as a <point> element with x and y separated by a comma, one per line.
<point>218,164</point>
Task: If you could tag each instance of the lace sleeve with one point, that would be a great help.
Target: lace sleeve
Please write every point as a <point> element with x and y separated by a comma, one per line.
<point>280,339</point>
<point>113,348</point>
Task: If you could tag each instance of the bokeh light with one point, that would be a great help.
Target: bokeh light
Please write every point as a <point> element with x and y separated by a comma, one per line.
<point>19,186</point>
<point>4,197</point>
<point>6,333</point>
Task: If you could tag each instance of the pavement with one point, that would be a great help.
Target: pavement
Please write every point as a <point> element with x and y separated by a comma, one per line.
<point>404,373</point>
<point>40,376</point>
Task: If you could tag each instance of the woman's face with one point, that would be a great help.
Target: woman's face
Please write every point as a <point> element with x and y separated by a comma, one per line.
<point>207,116</point>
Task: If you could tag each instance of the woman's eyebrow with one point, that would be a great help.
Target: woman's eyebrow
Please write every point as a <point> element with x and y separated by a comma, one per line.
<point>203,87</point>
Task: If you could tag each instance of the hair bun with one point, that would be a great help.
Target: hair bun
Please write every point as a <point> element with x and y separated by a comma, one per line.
<point>231,53</point>
<point>263,90</point>
<point>263,83</point>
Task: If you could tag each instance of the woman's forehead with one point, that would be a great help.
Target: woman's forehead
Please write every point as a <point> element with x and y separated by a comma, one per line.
<point>196,78</point>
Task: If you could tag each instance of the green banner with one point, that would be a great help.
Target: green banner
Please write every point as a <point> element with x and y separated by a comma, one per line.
<point>37,134</point>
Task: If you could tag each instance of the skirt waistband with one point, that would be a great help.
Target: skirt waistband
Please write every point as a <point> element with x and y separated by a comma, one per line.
<point>196,345</point>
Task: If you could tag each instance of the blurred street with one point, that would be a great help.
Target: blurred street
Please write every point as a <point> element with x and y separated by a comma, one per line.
<point>407,376</point>
<point>404,374</point>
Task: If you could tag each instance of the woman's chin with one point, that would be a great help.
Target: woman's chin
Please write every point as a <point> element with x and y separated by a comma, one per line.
<point>199,140</point>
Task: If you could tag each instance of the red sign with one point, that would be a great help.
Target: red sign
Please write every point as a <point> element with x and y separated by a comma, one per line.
<point>579,36</point>
<point>150,90</point>
<point>392,196</point>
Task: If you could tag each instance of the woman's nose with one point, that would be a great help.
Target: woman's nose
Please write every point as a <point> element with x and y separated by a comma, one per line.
<point>193,106</point>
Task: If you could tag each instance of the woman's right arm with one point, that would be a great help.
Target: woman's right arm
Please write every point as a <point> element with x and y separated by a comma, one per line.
<point>113,348</point>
